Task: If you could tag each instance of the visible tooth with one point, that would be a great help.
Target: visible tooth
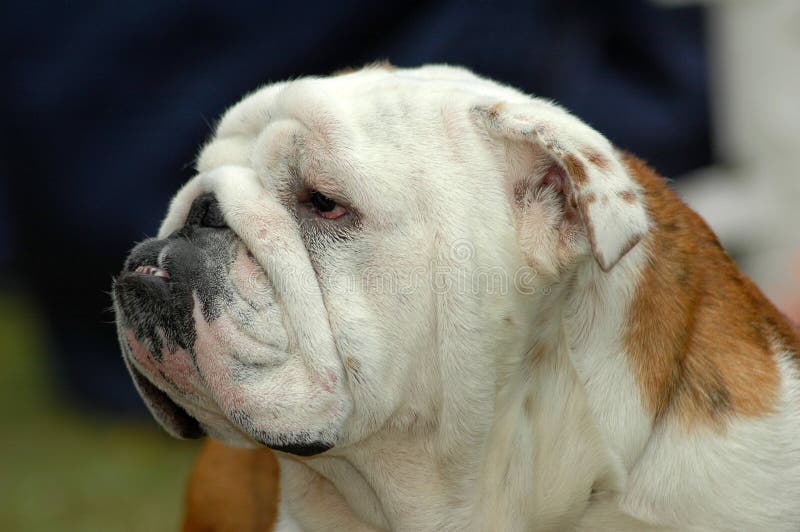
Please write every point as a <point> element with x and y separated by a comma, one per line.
<point>152,270</point>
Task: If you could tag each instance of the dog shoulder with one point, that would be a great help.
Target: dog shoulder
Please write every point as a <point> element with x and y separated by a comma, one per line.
<point>717,367</point>
<point>704,341</point>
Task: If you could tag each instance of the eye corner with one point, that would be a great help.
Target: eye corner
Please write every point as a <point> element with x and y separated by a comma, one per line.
<point>322,205</point>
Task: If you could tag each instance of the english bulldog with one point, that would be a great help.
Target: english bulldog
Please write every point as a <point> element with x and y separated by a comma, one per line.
<point>449,305</point>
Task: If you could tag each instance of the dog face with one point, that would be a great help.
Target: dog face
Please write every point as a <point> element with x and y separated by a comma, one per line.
<point>364,253</point>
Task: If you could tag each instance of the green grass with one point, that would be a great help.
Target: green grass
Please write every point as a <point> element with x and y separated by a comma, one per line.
<point>63,470</point>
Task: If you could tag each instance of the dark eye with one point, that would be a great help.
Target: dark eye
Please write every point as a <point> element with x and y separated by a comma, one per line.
<point>325,207</point>
<point>322,202</point>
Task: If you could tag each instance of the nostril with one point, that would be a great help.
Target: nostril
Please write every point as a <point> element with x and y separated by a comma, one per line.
<point>213,216</point>
<point>206,212</point>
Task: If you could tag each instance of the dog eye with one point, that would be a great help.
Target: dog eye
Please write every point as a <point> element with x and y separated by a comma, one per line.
<point>325,207</point>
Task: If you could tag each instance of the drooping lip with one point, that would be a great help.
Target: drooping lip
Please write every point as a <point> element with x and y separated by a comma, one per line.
<point>172,417</point>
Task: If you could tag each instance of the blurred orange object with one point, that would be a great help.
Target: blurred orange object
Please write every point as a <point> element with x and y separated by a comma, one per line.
<point>231,490</point>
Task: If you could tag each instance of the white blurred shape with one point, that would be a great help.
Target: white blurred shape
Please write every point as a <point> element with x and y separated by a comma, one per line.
<point>752,198</point>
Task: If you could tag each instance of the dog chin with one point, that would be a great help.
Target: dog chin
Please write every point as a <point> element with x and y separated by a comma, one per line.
<point>231,436</point>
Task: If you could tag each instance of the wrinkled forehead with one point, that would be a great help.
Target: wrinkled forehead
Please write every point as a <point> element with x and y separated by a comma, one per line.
<point>352,123</point>
<point>356,95</point>
<point>396,145</point>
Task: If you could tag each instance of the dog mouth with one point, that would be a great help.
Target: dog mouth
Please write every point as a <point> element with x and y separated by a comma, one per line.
<point>153,271</point>
<point>155,296</point>
<point>200,330</point>
<point>173,418</point>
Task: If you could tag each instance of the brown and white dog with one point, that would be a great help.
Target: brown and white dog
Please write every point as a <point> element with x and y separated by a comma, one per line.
<point>452,306</point>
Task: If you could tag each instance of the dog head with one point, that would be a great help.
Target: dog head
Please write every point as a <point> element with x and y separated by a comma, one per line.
<point>364,253</point>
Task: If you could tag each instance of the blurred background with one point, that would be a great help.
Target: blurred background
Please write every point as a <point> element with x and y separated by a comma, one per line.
<point>104,106</point>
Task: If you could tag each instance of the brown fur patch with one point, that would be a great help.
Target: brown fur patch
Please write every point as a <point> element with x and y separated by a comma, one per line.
<point>573,203</point>
<point>596,159</point>
<point>521,189</point>
<point>353,367</point>
<point>527,405</point>
<point>344,71</point>
<point>352,364</point>
<point>232,489</point>
<point>382,65</point>
<point>591,197</point>
<point>628,196</point>
<point>700,333</point>
<point>495,108</point>
<point>575,169</point>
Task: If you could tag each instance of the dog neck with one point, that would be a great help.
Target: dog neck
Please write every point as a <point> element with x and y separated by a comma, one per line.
<point>535,447</point>
<point>532,453</point>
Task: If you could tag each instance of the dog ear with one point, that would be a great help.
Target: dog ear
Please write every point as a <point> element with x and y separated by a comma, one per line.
<point>570,187</point>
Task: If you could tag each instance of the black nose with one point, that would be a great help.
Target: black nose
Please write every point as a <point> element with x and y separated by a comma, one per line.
<point>206,212</point>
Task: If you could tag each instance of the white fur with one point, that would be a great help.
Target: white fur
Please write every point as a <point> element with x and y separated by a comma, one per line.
<point>743,479</point>
<point>470,408</point>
